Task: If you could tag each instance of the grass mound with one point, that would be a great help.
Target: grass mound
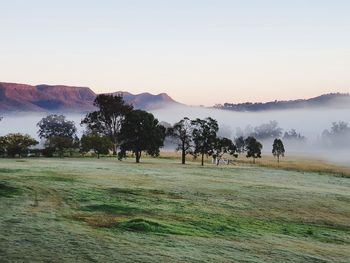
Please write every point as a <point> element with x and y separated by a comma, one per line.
<point>117,209</point>
<point>144,225</point>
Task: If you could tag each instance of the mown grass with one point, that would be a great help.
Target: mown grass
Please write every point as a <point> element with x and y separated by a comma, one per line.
<point>89,210</point>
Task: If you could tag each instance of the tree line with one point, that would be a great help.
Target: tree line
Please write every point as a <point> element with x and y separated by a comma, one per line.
<point>118,127</point>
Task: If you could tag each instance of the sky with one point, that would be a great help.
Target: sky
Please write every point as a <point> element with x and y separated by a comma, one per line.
<point>200,52</point>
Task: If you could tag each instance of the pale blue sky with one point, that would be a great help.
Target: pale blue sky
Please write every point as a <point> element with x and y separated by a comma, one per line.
<point>199,52</point>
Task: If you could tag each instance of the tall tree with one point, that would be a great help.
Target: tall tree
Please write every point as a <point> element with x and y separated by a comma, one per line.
<point>278,149</point>
<point>59,133</point>
<point>141,132</point>
<point>253,148</point>
<point>109,117</point>
<point>100,144</point>
<point>223,146</point>
<point>204,136</point>
<point>182,133</point>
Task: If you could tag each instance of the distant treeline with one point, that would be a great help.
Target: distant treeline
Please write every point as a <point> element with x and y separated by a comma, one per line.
<point>332,99</point>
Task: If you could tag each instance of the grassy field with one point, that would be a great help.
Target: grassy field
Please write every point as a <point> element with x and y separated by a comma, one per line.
<point>89,210</point>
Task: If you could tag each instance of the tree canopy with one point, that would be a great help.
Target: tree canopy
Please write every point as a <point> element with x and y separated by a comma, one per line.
<point>56,126</point>
<point>240,144</point>
<point>181,132</point>
<point>278,149</point>
<point>140,132</point>
<point>100,144</point>
<point>108,119</point>
<point>223,146</point>
<point>17,144</point>
<point>253,148</point>
<point>204,136</point>
<point>60,134</point>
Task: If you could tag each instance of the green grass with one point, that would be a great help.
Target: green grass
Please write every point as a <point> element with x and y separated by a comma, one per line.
<point>89,210</point>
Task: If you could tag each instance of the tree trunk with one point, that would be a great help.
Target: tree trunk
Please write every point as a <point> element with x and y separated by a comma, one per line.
<point>138,156</point>
<point>115,146</point>
<point>183,157</point>
<point>202,159</point>
<point>98,155</point>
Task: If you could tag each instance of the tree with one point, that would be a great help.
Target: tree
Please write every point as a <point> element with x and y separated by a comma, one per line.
<point>267,131</point>
<point>108,119</point>
<point>2,145</point>
<point>59,133</point>
<point>223,146</point>
<point>60,144</point>
<point>182,133</point>
<point>100,144</point>
<point>204,136</point>
<point>18,144</point>
<point>141,132</point>
<point>253,148</point>
<point>240,145</point>
<point>278,149</point>
<point>56,125</point>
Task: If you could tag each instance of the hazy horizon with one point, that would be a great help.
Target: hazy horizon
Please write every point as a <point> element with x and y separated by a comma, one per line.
<point>199,52</point>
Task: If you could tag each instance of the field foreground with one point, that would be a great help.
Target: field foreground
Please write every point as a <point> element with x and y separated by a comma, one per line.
<point>89,210</point>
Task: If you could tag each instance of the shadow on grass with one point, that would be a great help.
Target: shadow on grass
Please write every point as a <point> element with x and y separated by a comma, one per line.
<point>7,190</point>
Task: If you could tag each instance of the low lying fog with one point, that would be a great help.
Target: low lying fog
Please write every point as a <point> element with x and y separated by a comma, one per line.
<point>309,123</point>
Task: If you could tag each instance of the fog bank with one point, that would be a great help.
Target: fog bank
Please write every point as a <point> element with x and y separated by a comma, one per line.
<point>310,123</point>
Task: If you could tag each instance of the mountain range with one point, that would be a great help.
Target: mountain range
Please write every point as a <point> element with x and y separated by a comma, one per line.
<point>16,97</point>
<point>59,98</point>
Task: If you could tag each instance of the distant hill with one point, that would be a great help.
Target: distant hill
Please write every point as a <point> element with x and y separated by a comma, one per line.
<point>58,98</point>
<point>334,100</point>
<point>147,100</point>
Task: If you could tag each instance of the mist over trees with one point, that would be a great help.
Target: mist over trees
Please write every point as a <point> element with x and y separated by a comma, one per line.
<point>293,135</point>
<point>267,131</point>
<point>180,137</point>
<point>337,136</point>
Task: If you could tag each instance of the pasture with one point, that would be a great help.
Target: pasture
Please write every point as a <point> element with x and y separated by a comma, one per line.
<point>89,210</point>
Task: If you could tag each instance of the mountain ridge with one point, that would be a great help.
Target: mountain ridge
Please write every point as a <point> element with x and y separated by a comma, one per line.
<point>16,97</point>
